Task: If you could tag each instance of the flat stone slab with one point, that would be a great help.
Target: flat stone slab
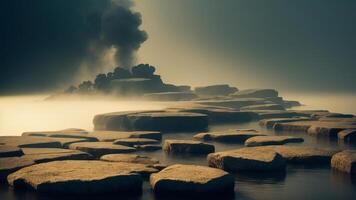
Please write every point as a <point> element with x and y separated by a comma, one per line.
<point>130,158</point>
<point>301,154</point>
<point>345,161</point>
<point>235,103</point>
<point>27,141</point>
<point>187,146</point>
<point>263,107</point>
<point>151,120</point>
<point>110,136</point>
<point>38,155</point>
<point>135,141</point>
<point>81,177</point>
<point>170,96</point>
<point>10,151</point>
<point>98,149</point>
<point>215,90</point>
<point>272,140</point>
<point>269,123</point>
<point>347,136</point>
<point>66,141</point>
<point>148,147</point>
<point>66,133</point>
<point>230,135</point>
<point>258,93</point>
<point>191,180</point>
<point>247,159</point>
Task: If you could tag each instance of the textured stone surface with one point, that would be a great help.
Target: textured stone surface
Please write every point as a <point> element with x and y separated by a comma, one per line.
<point>152,121</point>
<point>81,177</point>
<point>230,135</point>
<point>98,149</point>
<point>348,136</point>
<point>135,141</point>
<point>10,151</point>
<point>191,179</point>
<point>264,107</point>
<point>187,146</point>
<point>131,158</point>
<point>269,123</point>
<point>272,140</point>
<point>247,159</point>
<point>27,141</point>
<point>345,161</point>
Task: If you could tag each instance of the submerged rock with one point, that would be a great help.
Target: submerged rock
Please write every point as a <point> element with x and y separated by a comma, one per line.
<point>81,177</point>
<point>215,90</point>
<point>247,159</point>
<point>191,180</point>
<point>98,149</point>
<point>10,151</point>
<point>348,136</point>
<point>135,141</point>
<point>345,161</point>
<point>151,120</point>
<point>271,140</point>
<point>230,136</point>
<point>187,146</point>
<point>130,158</point>
<point>27,141</point>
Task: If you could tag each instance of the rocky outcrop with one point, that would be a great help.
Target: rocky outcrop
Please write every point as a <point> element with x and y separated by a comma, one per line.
<point>98,149</point>
<point>247,159</point>
<point>151,120</point>
<point>263,107</point>
<point>191,180</point>
<point>347,136</point>
<point>81,177</point>
<point>256,93</point>
<point>229,136</point>
<point>272,140</point>
<point>187,146</point>
<point>345,161</point>
<point>269,123</point>
<point>130,158</point>
<point>170,96</point>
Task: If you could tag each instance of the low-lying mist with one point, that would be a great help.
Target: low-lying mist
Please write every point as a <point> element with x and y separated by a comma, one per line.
<point>32,113</point>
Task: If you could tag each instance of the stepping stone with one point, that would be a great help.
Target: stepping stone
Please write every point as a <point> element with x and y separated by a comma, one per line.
<point>301,154</point>
<point>98,149</point>
<point>263,107</point>
<point>10,151</point>
<point>345,161</point>
<point>110,136</point>
<point>347,136</point>
<point>235,103</point>
<point>329,130</point>
<point>247,159</point>
<point>81,177</point>
<point>66,133</point>
<point>191,180</point>
<point>65,142</point>
<point>272,140</point>
<point>148,147</point>
<point>269,123</point>
<point>135,141</point>
<point>230,136</point>
<point>316,128</point>
<point>187,146</point>
<point>38,155</point>
<point>215,90</point>
<point>170,96</point>
<point>130,158</point>
<point>26,141</point>
<point>270,114</point>
<point>170,121</point>
<point>258,93</point>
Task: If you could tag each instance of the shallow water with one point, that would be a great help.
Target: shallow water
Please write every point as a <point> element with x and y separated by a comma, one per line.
<point>299,182</point>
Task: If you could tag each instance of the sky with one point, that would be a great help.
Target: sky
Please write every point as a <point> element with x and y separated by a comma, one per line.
<point>304,45</point>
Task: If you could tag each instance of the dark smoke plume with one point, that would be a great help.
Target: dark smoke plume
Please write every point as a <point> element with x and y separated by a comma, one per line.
<point>43,44</point>
<point>120,28</point>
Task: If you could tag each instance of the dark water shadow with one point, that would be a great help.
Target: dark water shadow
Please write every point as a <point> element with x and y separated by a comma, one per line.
<point>261,177</point>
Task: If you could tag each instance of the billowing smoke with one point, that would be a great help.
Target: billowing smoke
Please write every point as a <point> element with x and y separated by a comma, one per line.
<point>46,44</point>
<point>120,28</point>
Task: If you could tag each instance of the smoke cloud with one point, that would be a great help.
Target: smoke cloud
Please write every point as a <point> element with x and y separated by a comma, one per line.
<point>44,44</point>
